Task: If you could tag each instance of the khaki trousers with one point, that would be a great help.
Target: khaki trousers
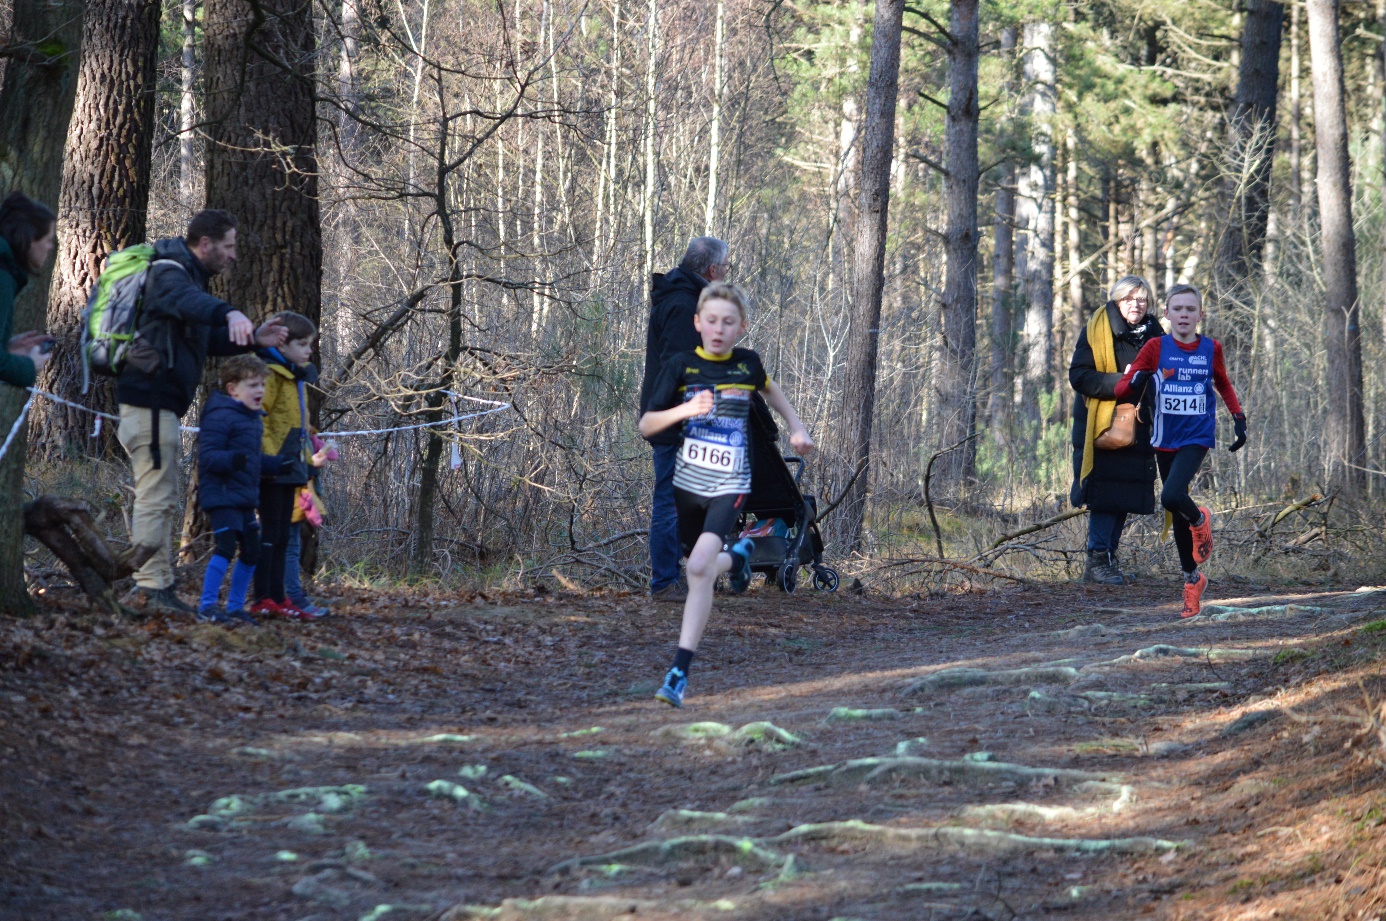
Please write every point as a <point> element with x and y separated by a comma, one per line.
<point>156,491</point>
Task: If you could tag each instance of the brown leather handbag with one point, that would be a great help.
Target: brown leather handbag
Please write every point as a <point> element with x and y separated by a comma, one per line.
<point>1122,434</point>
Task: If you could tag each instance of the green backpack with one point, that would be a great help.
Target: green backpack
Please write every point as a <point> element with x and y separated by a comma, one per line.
<point>112,333</point>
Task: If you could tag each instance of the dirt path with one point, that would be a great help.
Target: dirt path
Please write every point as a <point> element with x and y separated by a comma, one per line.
<point>997,756</point>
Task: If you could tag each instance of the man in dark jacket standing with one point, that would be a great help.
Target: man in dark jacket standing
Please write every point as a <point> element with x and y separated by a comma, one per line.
<point>673,301</point>
<point>185,324</point>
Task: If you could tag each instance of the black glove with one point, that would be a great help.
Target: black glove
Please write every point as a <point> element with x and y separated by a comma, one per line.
<point>1239,426</point>
<point>238,462</point>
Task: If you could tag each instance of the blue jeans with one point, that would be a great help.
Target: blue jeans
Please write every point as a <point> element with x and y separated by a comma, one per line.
<point>664,521</point>
<point>1104,531</point>
<point>293,582</point>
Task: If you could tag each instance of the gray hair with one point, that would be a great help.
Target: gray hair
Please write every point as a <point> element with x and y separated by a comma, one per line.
<point>702,254</point>
<point>1128,283</point>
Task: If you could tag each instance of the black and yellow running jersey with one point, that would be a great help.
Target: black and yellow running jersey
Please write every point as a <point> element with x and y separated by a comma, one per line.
<point>715,458</point>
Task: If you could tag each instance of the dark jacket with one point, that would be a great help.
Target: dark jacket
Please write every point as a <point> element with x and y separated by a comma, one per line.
<point>14,369</point>
<point>1122,480</point>
<point>179,297</point>
<point>229,462</point>
<point>673,302</point>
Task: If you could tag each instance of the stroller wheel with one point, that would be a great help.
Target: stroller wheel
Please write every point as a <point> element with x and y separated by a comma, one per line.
<point>788,577</point>
<point>825,579</point>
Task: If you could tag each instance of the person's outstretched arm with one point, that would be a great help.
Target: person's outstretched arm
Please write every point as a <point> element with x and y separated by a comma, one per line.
<point>657,420</point>
<point>799,438</point>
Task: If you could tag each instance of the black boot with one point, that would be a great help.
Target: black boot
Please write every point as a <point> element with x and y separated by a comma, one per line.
<point>1100,569</point>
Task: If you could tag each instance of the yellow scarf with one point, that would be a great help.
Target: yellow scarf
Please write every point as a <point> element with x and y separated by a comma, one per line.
<point>1100,412</point>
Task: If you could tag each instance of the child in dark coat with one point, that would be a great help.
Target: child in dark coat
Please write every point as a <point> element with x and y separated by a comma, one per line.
<point>229,466</point>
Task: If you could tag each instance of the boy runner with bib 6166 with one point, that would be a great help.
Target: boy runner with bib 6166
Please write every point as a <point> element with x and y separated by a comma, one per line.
<point>1186,368</point>
<point>708,392</point>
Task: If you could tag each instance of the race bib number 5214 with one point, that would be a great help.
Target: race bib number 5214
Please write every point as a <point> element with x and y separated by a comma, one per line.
<point>1183,404</point>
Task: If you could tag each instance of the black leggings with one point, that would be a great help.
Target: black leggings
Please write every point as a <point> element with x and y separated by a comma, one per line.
<point>1177,470</point>
<point>276,515</point>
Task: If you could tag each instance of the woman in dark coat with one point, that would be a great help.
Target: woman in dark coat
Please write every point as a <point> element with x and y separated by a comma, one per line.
<point>26,242</point>
<point>1121,482</point>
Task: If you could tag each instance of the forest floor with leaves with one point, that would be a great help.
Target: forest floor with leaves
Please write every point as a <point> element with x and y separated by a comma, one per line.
<point>1017,753</point>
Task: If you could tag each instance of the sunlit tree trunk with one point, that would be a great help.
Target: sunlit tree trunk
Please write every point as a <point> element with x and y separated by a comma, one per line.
<point>957,408</point>
<point>36,99</point>
<point>714,141</point>
<point>1035,216</point>
<point>868,269</point>
<point>1003,271</point>
<point>1345,434</point>
<point>187,105</point>
<point>651,171</point>
<point>105,196</point>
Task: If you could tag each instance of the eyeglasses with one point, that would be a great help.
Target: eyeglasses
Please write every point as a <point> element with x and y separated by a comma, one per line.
<point>1132,299</point>
<point>726,267</point>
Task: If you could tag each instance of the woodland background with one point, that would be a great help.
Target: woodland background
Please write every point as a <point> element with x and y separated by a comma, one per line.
<point>470,197</point>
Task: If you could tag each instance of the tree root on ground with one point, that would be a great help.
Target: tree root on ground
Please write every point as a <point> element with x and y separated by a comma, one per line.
<point>951,678</point>
<point>229,810</point>
<point>693,820</point>
<point>1009,812</point>
<point>744,852</point>
<point>761,735</point>
<point>1230,614</point>
<point>580,908</point>
<point>1162,650</point>
<point>971,840</point>
<point>849,714</point>
<point>870,770</point>
<point>446,789</point>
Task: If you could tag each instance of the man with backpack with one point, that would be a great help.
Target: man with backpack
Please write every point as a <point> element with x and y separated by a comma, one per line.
<point>179,325</point>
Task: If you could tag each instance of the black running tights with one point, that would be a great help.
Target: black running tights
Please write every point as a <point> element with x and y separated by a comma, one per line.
<point>1177,470</point>
<point>276,514</point>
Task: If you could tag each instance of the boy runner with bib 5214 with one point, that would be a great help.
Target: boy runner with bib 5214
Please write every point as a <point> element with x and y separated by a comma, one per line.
<point>708,392</point>
<point>1186,368</point>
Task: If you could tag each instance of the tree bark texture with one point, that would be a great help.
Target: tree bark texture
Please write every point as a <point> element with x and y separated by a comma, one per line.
<point>868,262</point>
<point>35,106</point>
<point>1003,271</point>
<point>957,406</point>
<point>261,161</point>
<point>1250,154</point>
<point>1345,434</point>
<point>104,201</point>
<point>1035,215</point>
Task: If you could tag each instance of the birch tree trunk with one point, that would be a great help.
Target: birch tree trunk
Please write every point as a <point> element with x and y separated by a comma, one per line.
<point>187,117</point>
<point>36,98</point>
<point>1075,277</point>
<point>651,173</point>
<point>105,196</point>
<point>1345,433</point>
<point>1035,217</point>
<point>868,264</point>
<point>957,409</point>
<point>714,141</point>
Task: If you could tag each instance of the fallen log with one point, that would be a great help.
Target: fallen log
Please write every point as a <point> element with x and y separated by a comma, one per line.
<point>66,526</point>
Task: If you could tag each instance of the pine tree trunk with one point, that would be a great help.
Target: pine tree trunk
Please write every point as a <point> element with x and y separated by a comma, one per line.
<point>651,145</point>
<point>957,410</point>
<point>868,264</point>
<point>105,197</point>
<point>1251,151</point>
<point>261,158</point>
<point>35,107</point>
<point>1075,277</point>
<point>1345,433</point>
<point>1296,160</point>
<point>1003,273</point>
<point>1035,215</point>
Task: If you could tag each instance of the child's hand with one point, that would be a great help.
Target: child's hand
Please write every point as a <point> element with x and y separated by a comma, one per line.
<point>320,458</point>
<point>801,442</point>
<point>701,404</point>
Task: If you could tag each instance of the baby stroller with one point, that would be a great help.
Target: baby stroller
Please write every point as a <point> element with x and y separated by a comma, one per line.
<point>784,529</point>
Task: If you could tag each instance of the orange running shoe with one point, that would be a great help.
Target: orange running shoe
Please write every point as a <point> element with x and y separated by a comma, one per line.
<point>1202,537</point>
<point>1193,596</point>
